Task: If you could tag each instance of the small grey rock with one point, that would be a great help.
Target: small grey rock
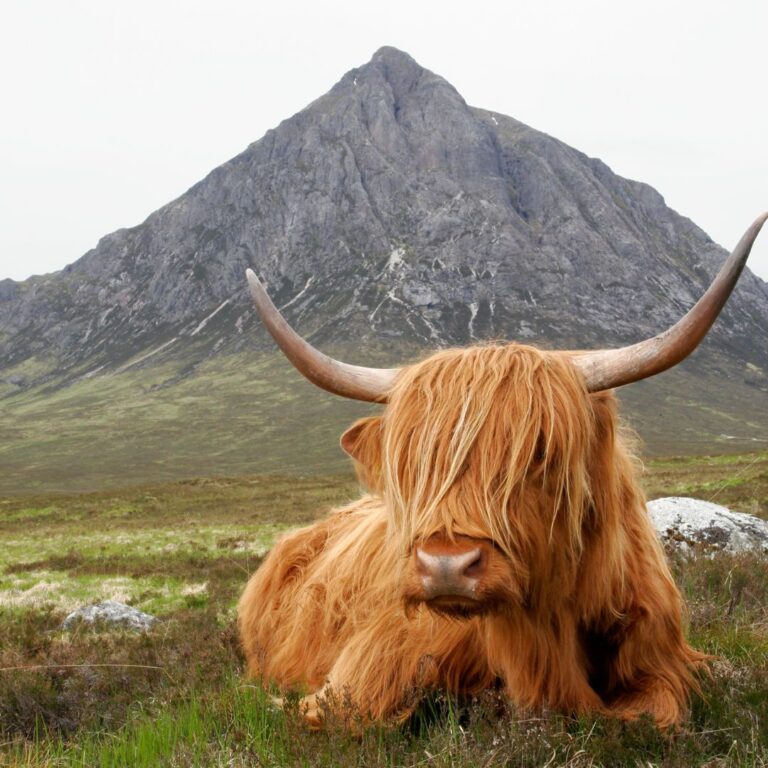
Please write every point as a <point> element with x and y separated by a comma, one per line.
<point>692,523</point>
<point>111,612</point>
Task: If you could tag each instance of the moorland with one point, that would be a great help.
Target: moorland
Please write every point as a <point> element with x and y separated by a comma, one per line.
<point>175,695</point>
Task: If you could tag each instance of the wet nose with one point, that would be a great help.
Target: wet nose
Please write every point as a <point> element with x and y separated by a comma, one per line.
<point>450,574</point>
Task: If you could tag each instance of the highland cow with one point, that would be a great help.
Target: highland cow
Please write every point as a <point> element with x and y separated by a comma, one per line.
<point>504,537</point>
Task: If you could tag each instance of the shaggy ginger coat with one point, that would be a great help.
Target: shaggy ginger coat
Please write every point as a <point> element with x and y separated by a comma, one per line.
<point>500,443</point>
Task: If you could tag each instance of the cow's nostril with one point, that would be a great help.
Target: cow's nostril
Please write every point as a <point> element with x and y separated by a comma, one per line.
<point>475,567</point>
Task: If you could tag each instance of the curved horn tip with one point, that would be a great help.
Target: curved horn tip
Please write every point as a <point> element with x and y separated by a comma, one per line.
<point>757,224</point>
<point>256,287</point>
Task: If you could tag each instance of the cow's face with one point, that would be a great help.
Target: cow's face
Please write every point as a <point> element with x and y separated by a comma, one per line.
<point>484,458</point>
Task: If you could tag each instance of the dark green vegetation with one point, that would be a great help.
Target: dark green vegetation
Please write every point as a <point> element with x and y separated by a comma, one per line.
<point>174,696</point>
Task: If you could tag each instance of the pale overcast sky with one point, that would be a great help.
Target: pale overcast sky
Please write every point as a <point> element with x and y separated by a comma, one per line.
<point>110,110</point>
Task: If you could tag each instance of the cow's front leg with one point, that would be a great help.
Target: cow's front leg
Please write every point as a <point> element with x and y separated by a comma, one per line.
<point>543,664</point>
<point>653,669</point>
<point>378,674</point>
<point>382,673</point>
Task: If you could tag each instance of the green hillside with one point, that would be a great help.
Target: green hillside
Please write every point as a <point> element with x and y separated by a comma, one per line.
<point>252,413</point>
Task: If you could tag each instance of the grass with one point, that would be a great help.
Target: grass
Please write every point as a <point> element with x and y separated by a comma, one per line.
<point>738,481</point>
<point>174,696</point>
<point>148,545</point>
<point>233,415</point>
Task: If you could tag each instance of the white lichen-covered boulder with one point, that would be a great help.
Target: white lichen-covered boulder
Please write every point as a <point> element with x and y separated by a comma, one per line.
<point>111,613</point>
<point>688,524</point>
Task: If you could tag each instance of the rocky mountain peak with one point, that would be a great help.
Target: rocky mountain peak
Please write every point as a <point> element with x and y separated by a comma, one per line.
<point>387,212</point>
<point>397,68</point>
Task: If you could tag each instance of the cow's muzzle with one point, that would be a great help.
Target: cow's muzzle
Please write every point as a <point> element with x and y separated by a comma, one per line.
<point>450,574</point>
<point>461,577</point>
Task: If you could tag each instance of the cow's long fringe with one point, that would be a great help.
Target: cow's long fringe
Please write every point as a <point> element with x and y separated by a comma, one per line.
<point>473,434</point>
<point>499,442</point>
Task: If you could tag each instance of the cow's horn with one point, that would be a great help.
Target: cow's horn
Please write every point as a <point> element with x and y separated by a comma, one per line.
<point>354,381</point>
<point>607,368</point>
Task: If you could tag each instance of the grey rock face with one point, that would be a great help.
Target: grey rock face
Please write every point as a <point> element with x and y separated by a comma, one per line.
<point>390,209</point>
<point>111,613</point>
<point>690,524</point>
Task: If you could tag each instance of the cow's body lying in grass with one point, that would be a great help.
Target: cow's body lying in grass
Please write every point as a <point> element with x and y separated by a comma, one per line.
<point>570,603</point>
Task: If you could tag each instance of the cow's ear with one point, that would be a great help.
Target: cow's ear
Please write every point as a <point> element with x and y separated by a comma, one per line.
<point>362,441</point>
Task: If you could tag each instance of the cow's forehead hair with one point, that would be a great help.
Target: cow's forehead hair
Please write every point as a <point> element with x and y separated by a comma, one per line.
<point>467,432</point>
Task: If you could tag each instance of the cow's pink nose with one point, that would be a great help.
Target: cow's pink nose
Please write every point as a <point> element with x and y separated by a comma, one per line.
<point>450,574</point>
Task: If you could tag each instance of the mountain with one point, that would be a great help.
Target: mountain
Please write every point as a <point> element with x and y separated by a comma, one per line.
<point>387,217</point>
